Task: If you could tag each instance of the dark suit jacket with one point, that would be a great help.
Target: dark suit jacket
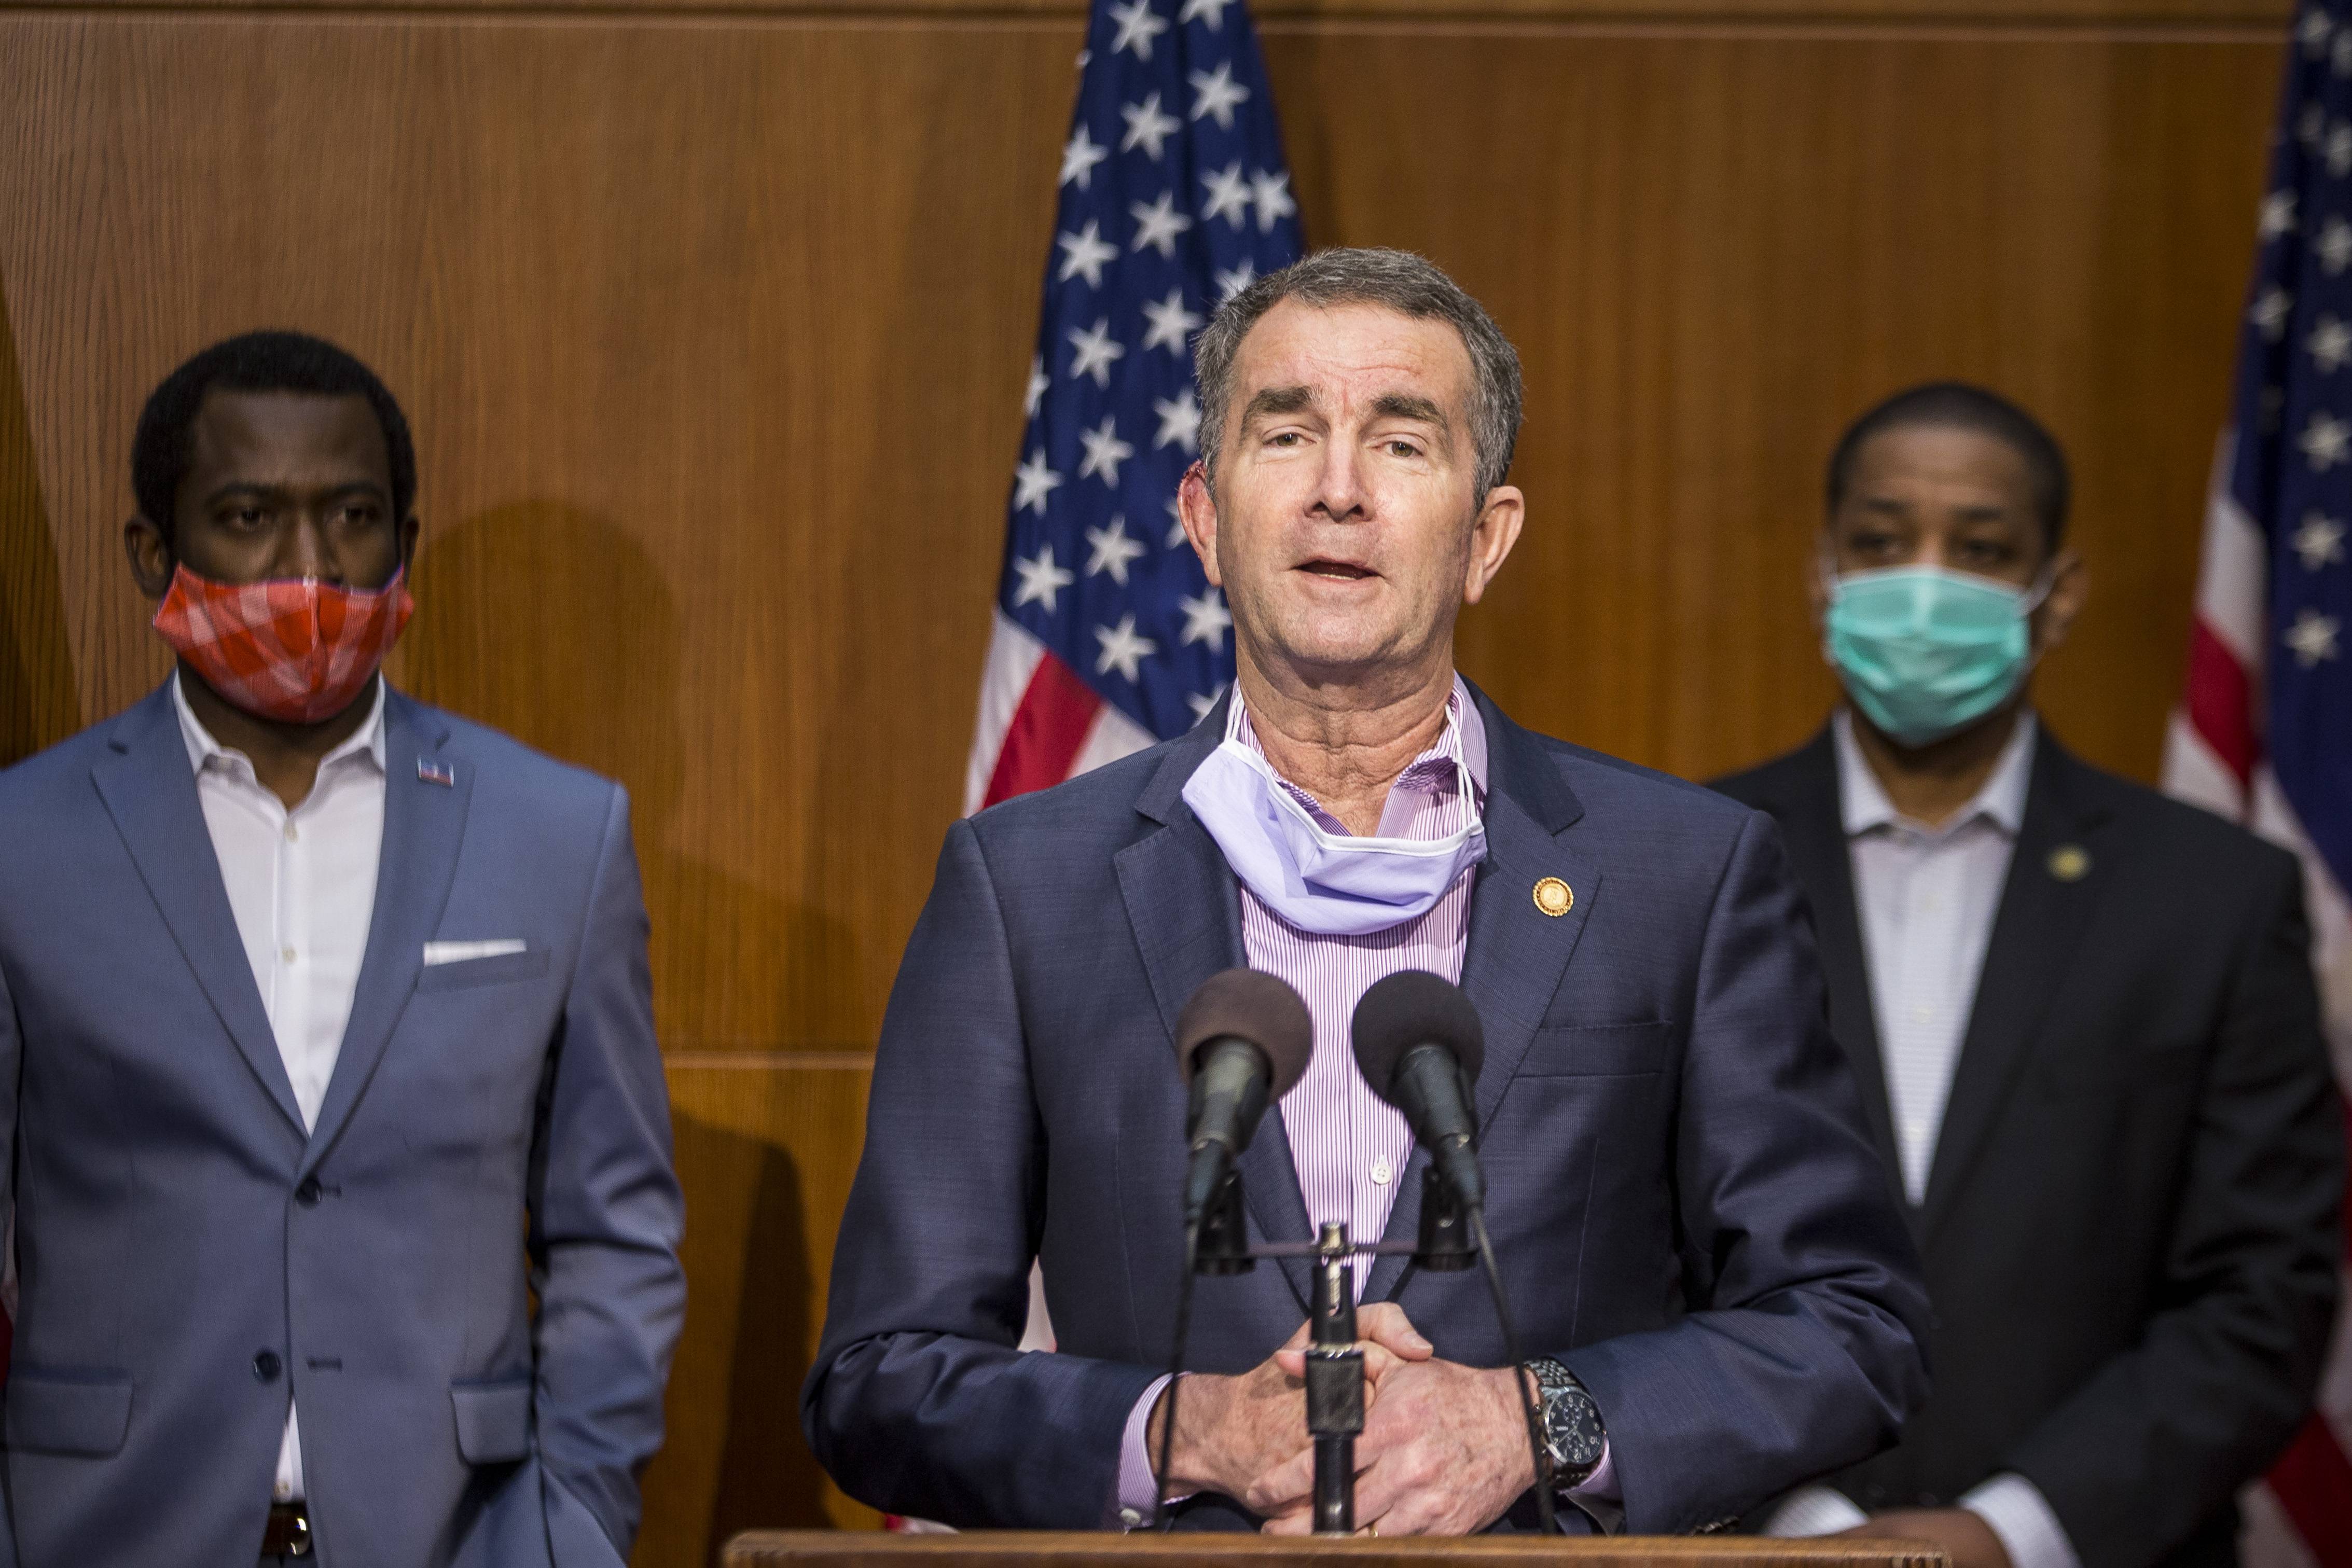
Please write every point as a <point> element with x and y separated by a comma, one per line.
<point>1683,1193</point>
<point>2130,1219</point>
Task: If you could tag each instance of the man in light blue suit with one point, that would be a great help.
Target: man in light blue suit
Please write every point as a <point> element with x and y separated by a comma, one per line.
<point>326,1040</point>
<point>1707,1271</point>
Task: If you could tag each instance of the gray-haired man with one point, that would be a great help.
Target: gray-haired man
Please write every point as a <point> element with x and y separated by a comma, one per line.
<point>1698,1241</point>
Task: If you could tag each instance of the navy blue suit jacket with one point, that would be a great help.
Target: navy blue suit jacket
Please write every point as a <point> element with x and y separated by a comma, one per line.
<point>1686,1203</point>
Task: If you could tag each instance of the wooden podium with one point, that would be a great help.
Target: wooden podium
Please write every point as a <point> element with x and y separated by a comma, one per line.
<point>1011,1549</point>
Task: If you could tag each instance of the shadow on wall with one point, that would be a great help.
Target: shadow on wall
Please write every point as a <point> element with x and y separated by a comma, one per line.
<point>757,1470</point>
<point>554,625</point>
<point>38,704</point>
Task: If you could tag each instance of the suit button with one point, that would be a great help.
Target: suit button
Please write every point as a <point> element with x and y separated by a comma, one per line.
<point>1874,1494</point>
<point>307,1194</point>
<point>266,1367</point>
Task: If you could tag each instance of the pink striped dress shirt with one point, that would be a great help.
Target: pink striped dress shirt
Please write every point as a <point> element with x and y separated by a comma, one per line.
<point>1348,1144</point>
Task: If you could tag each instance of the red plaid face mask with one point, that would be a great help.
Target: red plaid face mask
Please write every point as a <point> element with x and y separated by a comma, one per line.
<point>293,649</point>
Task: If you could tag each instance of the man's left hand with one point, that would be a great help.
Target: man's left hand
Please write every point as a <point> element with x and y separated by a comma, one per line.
<point>1966,1539</point>
<point>1443,1452</point>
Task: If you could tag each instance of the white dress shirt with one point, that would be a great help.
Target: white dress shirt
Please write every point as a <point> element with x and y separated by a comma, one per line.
<point>302,886</point>
<point>1926,898</point>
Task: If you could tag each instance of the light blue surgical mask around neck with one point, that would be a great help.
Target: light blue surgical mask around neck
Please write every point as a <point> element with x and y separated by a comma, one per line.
<point>1925,653</point>
<point>1332,884</point>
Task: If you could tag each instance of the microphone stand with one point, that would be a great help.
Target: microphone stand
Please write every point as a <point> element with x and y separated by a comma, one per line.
<point>1335,1385</point>
<point>1216,1243</point>
<point>1520,1377</point>
<point>1160,1518</point>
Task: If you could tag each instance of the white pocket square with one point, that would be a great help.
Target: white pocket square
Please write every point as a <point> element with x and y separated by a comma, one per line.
<point>461,952</point>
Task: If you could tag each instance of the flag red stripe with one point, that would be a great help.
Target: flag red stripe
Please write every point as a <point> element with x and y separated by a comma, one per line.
<point>2221,701</point>
<point>2312,1481</point>
<point>1047,730</point>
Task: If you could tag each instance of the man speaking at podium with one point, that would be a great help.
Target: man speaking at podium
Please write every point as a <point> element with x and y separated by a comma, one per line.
<point>1698,1240</point>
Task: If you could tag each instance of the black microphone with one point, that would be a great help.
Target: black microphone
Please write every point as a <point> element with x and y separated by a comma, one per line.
<point>1419,1045</point>
<point>1242,1041</point>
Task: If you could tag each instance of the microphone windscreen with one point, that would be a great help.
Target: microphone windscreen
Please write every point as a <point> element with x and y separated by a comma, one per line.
<point>1411,1008</point>
<point>1248,1004</point>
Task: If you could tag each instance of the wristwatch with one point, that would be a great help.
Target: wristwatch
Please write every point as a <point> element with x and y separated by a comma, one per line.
<point>1572,1423</point>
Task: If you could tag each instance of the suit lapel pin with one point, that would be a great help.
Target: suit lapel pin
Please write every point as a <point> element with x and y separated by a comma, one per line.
<point>2069,862</point>
<point>436,773</point>
<point>1555,897</point>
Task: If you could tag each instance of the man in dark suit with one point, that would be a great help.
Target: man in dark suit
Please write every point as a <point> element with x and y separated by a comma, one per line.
<point>2083,1020</point>
<point>326,1043</point>
<point>1696,1237</point>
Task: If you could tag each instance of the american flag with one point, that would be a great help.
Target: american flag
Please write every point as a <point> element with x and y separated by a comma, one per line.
<point>1174,195</point>
<point>2264,731</point>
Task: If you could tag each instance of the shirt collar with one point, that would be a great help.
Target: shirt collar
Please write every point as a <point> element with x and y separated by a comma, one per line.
<point>202,748</point>
<point>1463,739</point>
<point>1864,803</point>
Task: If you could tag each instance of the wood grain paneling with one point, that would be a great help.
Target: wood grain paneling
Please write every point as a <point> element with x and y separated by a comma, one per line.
<point>766,1152</point>
<point>1011,1549</point>
<point>705,331</point>
<point>2244,19</point>
<point>712,327</point>
<point>1713,253</point>
<point>713,343</point>
<point>37,705</point>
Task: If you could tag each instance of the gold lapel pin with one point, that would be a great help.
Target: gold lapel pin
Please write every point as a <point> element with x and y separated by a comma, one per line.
<point>2069,862</point>
<point>1555,897</point>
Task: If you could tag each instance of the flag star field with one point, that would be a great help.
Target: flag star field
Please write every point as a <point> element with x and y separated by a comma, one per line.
<point>1173,194</point>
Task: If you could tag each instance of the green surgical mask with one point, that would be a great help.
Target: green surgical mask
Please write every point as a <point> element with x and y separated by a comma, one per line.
<point>1925,653</point>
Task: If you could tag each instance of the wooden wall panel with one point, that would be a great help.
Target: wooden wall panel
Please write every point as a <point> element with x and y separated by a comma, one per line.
<point>714,343</point>
<point>1713,253</point>
<point>711,327</point>
<point>765,1151</point>
<point>703,328</point>
<point>2174,19</point>
<point>37,702</point>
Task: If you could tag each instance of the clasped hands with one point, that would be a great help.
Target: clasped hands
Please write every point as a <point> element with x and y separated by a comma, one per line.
<point>1443,1450</point>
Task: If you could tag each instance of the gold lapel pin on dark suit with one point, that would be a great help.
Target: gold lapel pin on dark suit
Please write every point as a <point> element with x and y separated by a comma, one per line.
<point>1555,897</point>
<point>2069,862</point>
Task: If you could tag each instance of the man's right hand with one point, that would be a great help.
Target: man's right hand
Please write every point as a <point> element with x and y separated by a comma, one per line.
<point>1232,1430</point>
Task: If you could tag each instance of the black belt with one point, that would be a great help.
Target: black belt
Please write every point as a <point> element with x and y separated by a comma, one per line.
<point>288,1533</point>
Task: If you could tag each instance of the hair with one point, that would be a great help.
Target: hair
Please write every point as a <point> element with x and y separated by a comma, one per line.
<point>1958,405</point>
<point>256,362</point>
<point>1397,280</point>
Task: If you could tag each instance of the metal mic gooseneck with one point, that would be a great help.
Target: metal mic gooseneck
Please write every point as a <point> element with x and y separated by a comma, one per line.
<point>1242,1042</point>
<point>1335,1385</point>
<point>1160,1518</point>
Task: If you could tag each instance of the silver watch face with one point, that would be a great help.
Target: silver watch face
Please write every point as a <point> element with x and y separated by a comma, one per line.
<point>1572,1429</point>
